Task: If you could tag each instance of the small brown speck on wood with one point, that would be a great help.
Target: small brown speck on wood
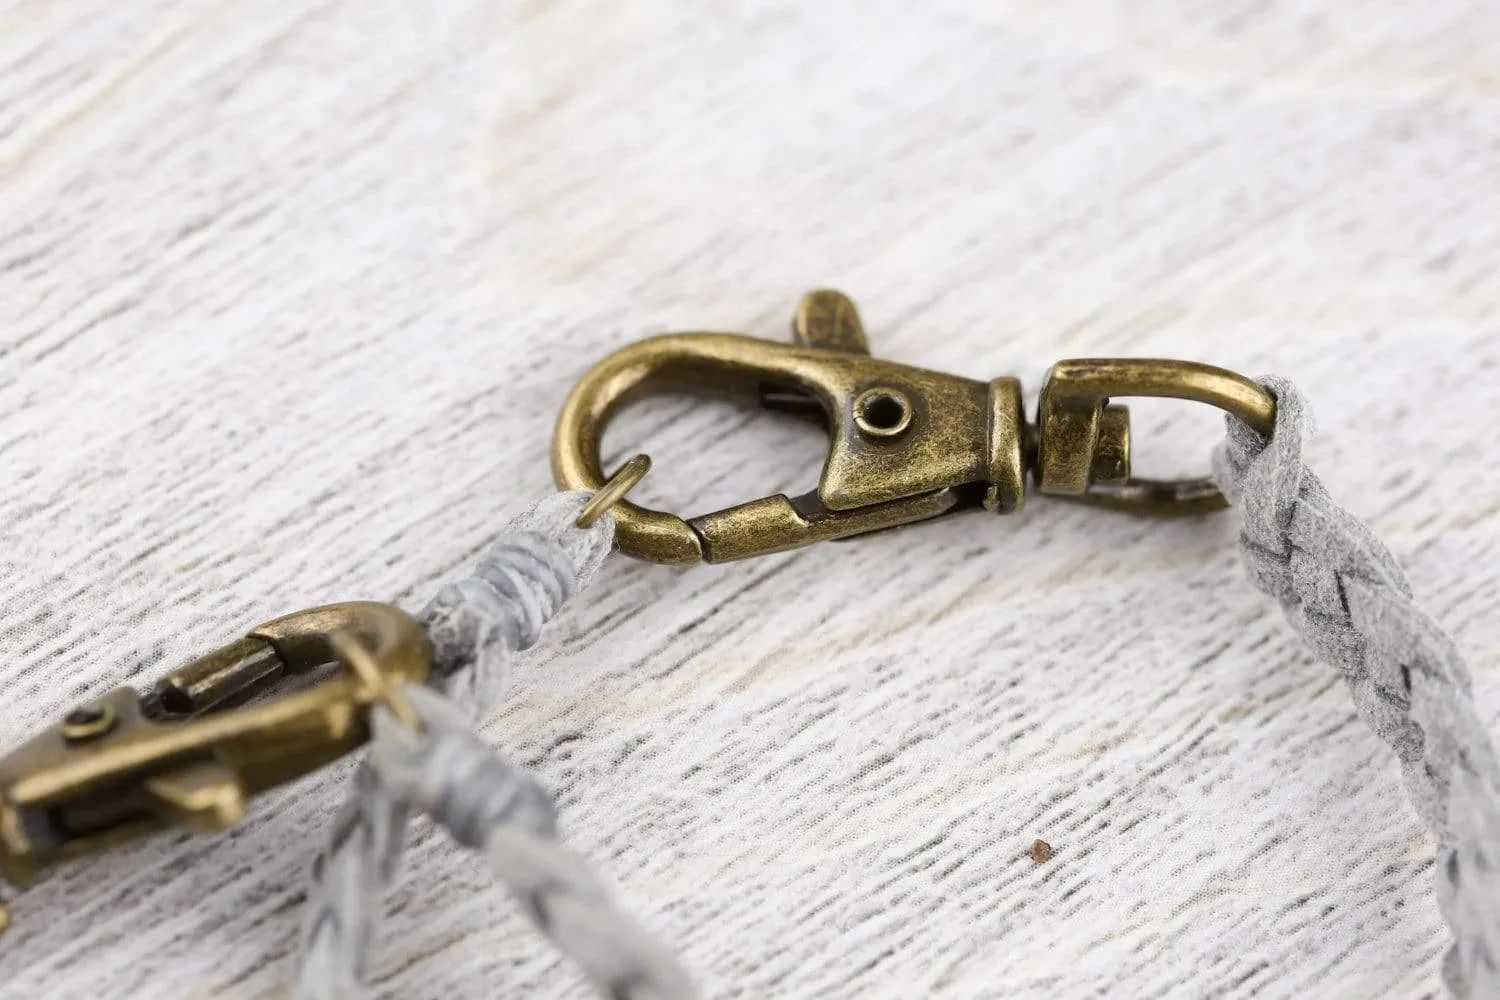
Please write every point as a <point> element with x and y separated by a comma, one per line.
<point>1041,851</point>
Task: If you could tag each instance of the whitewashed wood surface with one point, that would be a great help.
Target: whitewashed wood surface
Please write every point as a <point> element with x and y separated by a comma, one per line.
<point>290,294</point>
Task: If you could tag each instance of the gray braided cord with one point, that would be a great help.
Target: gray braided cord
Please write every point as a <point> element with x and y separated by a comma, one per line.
<point>361,858</point>
<point>488,804</point>
<point>540,560</point>
<point>1342,590</point>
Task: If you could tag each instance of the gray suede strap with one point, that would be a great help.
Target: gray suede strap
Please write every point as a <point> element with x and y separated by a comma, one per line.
<point>1343,591</point>
<point>1341,588</point>
<point>442,770</point>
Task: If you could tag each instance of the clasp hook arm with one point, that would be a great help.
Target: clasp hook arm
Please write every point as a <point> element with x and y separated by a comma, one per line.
<point>905,444</point>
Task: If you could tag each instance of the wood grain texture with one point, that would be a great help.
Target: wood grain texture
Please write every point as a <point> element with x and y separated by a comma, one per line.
<point>291,293</point>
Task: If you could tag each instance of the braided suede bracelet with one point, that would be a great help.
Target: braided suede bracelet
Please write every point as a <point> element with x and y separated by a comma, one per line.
<point>131,762</point>
<point>1341,588</point>
<point>435,765</point>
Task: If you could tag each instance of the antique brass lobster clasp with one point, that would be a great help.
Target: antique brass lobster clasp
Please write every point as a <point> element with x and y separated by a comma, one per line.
<point>182,754</point>
<point>905,444</point>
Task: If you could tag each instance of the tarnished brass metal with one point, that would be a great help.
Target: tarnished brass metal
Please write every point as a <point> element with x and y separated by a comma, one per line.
<point>220,678</point>
<point>940,460</point>
<point>84,724</point>
<point>176,756</point>
<point>384,690</point>
<point>905,444</point>
<point>826,318</point>
<point>618,486</point>
<point>1083,450</point>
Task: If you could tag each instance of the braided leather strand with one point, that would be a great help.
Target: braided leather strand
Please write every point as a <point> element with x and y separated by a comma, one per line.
<point>362,856</point>
<point>484,802</point>
<point>488,804</point>
<point>1343,591</point>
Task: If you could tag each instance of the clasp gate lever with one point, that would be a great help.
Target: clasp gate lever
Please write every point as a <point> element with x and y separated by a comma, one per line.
<point>127,764</point>
<point>905,444</point>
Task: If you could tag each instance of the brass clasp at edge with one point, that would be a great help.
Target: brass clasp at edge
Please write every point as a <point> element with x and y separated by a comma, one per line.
<point>127,764</point>
<point>905,444</point>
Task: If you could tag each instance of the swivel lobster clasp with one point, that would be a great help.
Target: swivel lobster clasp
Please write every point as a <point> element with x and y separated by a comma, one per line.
<point>127,764</point>
<point>905,444</point>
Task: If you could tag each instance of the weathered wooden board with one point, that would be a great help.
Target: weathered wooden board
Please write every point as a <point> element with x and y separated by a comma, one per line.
<point>289,296</point>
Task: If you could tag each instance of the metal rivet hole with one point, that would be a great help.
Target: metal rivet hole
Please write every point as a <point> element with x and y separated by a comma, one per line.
<point>87,723</point>
<point>882,413</point>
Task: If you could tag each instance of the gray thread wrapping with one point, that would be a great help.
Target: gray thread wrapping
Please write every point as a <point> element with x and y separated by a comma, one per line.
<point>540,561</point>
<point>1343,591</point>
